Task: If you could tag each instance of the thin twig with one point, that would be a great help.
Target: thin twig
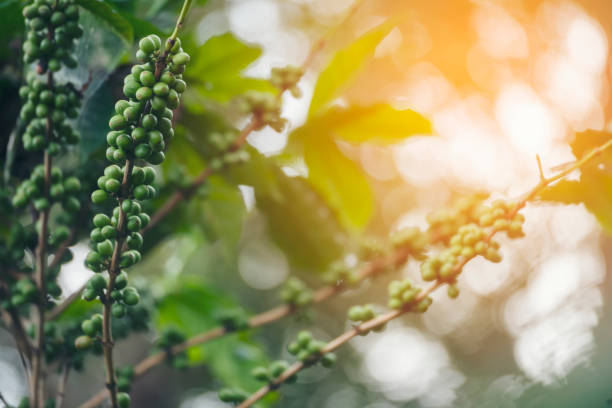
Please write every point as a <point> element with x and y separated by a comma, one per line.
<point>59,309</point>
<point>61,385</point>
<point>61,250</point>
<point>371,269</point>
<point>387,317</point>
<point>4,400</point>
<point>540,167</point>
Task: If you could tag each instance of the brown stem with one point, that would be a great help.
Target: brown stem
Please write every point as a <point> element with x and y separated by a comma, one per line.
<point>37,382</point>
<point>113,271</point>
<point>371,269</point>
<point>61,385</point>
<point>61,250</point>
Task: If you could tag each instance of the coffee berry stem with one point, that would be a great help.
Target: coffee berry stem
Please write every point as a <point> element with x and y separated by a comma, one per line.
<point>424,294</point>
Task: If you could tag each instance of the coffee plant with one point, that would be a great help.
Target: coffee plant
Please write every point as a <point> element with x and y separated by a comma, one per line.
<point>156,191</point>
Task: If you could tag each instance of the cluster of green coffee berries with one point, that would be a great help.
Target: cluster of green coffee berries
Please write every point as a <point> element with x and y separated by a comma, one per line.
<point>403,294</point>
<point>13,245</point>
<point>140,129</point>
<point>22,292</point>
<point>338,273</point>
<point>53,27</point>
<point>497,216</point>
<point>272,372</point>
<point>169,338</point>
<point>265,107</point>
<point>142,125</point>
<point>232,319</point>
<point>363,313</point>
<point>296,293</point>
<point>59,343</point>
<point>473,239</point>
<point>92,328</point>
<point>221,150</point>
<point>412,239</point>
<point>122,295</point>
<point>233,395</point>
<point>286,78</point>
<point>136,318</point>
<point>124,376</point>
<point>62,190</point>
<point>43,102</point>
<point>444,223</point>
<point>307,349</point>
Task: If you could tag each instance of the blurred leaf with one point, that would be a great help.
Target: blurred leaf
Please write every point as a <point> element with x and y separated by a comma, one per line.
<point>376,123</point>
<point>78,309</point>
<point>300,220</point>
<point>586,141</point>
<point>339,179</point>
<point>221,213</point>
<point>217,65</point>
<point>344,67</point>
<point>182,155</point>
<point>142,28</point>
<point>191,308</point>
<point>111,16</point>
<point>92,122</point>
<point>218,210</point>
<point>594,188</point>
<point>11,21</point>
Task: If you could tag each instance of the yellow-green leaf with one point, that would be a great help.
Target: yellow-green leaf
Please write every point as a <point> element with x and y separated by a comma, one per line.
<point>344,67</point>
<point>339,179</point>
<point>378,123</point>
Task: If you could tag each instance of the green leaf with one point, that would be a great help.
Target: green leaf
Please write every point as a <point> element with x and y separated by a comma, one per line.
<point>217,65</point>
<point>191,308</point>
<point>142,28</point>
<point>299,219</point>
<point>594,188</point>
<point>378,123</point>
<point>78,309</point>
<point>340,180</point>
<point>11,21</point>
<point>344,67</point>
<point>111,16</point>
<point>221,214</point>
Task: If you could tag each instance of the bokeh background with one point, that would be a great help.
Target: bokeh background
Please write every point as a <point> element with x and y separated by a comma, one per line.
<point>502,82</point>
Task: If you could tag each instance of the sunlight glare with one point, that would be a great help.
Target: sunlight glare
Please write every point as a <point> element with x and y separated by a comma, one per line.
<point>526,120</point>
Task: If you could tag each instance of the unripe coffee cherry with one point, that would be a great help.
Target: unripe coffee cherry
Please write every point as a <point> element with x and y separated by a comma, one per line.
<point>99,196</point>
<point>105,248</point>
<point>83,342</point>
<point>123,400</point>
<point>131,297</point>
<point>147,45</point>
